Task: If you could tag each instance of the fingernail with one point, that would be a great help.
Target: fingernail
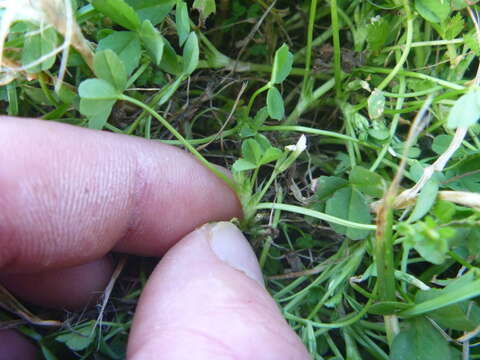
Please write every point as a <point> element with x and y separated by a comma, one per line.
<point>230,246</point>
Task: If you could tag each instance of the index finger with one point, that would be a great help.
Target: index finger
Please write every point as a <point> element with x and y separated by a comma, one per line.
<point>69,195</point>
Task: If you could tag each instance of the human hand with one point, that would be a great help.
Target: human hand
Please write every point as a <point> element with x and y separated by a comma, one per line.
<point>69,196</point>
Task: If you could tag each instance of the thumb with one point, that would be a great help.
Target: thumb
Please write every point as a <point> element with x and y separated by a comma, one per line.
<point>206,300</point>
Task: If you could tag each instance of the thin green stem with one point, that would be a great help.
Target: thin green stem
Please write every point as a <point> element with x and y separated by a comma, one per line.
<point>337,66</point>
<point>424,43</point>
<point>267,243</point>
<point>305,103</point>
<point>315,214</point>
<point>351,146</point>
<point>385,264</point>
<point>345,271</point>
<point>406,51</point>
<point>113,129</point>
<point>412,94</point>
<point>12,97</point>
<point>242,66</point>
<point>308,52</point>
<point>148,127</point>
<point>259,196</point>
<point>474,138</point>
<point>203,140</point>
<point>346,321</point>
<point>255,94</point>
<point>274,225</point>
<point>413,74</point>
<point>393,126</point>
<point>46,91</point>
<point>461,260</point>
<point>182,140</point>
<point>317,41</point>
<point>255,174</point>
<point>307,130</point>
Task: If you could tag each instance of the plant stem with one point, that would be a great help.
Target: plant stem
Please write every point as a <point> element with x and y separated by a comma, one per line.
<point>413,74</point>
<point>296,128</point>
<point>305,103</point>
<point>313,131</point>
<point>424,43</point>
<point>461,260</point>
<point>413,94</point>
<point>255,94</point>
<point>351,146</point>
<point>393,126</point>
<point>308,52</point>
<point>346,321</point>
<point>274,224</point>
<point>316,214</point>
<point>182,140</point>
<point>45,90</point>
<point>406,51</point>
<point>201,141</point>
<point>317,41</point>
<point>336,48</point>
<point>385,263</point>
<point>12,98</point>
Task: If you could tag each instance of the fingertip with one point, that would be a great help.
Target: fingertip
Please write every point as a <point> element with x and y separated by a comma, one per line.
<point>230,246</point>
<point>206,297</point>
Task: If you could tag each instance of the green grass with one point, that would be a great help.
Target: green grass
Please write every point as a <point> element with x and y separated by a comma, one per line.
<point>378,88</point>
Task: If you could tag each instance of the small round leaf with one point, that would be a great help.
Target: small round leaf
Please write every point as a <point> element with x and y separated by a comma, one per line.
<point>97,89</point>
<point>275,105</point>
<point>282,64</point>
<point>466,110</point>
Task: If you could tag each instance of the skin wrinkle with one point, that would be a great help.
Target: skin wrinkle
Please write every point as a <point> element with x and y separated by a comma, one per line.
<point>117,180</point>
<point>31,192</point>
<point>35,191</point>
<point>57,218</point>
<point>62,218</point>
<point>107,199</point>
<point>162,198</point>
<point>182,181</point>
<point>142,190</point>
<point>141,163</point>
<point>136,199</point>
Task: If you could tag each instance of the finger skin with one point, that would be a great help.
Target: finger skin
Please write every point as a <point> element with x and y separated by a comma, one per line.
<point>14,346</point>
<point>196,305</point>
<point>71,288</point>
<point>69,195</point>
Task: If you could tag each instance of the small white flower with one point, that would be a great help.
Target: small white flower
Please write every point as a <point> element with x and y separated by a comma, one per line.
<point>365,85</point>
<point>375,19</point>
<point>296,150</point>
<point>299,147</point>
